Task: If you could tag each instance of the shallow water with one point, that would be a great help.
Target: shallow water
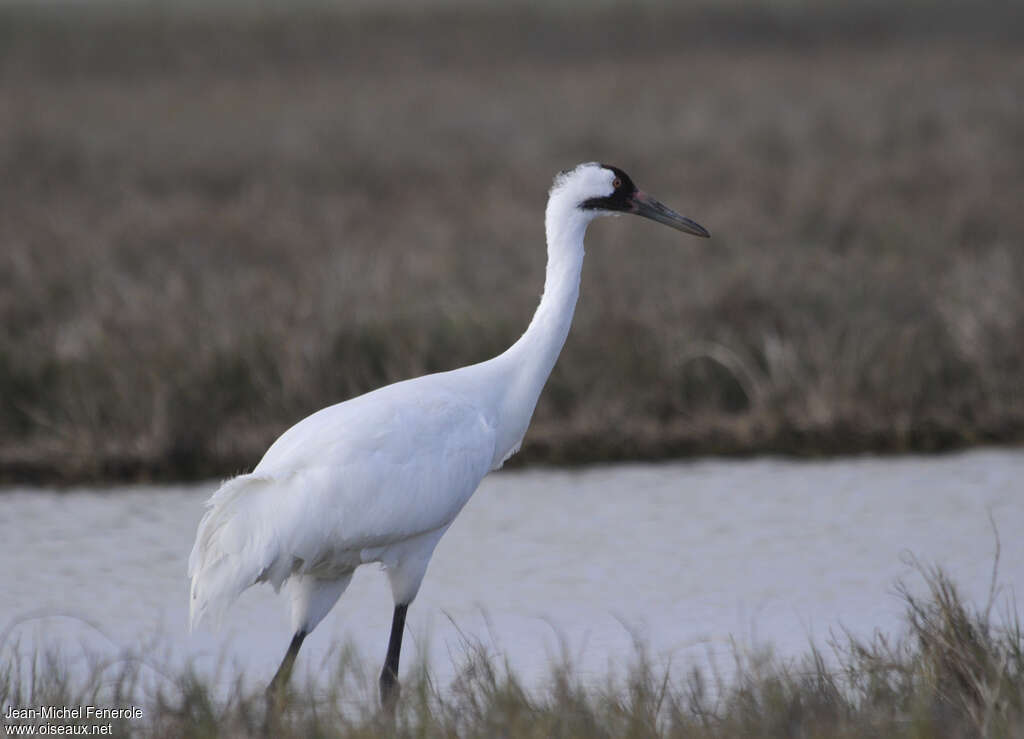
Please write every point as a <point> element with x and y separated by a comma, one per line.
<point>692,558</point>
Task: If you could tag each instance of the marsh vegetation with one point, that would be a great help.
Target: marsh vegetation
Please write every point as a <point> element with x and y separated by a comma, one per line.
<point>214,223</point>
<point>956,671</point>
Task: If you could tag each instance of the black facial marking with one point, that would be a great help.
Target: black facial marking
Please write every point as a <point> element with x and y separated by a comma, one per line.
<point>621,198</point>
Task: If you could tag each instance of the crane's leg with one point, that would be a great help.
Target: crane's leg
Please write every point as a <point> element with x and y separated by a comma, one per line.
<point>389,687</point>
<point>276,688</point>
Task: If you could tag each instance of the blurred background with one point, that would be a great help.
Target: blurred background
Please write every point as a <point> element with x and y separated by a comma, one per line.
<point>217,218</point>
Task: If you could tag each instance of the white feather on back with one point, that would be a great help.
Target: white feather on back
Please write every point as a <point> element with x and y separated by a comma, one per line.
<point>367,474</point>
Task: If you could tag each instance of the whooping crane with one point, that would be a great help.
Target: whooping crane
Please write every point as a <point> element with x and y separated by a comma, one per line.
<point>381,477</point>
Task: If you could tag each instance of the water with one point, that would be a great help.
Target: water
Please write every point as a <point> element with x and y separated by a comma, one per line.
<point>692,558</point>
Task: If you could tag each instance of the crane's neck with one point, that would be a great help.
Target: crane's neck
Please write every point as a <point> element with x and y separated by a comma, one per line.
<point>527,363</point>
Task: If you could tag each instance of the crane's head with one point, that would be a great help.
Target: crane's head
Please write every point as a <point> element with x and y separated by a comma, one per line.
<point>601,189</point>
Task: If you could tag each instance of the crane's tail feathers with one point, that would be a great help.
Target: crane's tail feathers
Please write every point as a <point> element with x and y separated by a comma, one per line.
<point>235,547</point>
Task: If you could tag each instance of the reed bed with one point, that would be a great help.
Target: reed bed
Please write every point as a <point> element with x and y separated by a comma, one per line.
<point>213,223</point>
<point>956,671</point>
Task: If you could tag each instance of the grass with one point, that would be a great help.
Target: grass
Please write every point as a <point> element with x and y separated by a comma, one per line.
<point>956,672</point>
<point>213,224</point>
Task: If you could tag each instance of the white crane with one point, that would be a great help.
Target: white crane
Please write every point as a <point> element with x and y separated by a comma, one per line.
<point>381,477</point>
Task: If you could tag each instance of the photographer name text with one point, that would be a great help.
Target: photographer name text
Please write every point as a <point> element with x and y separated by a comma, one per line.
<point>59,713</point>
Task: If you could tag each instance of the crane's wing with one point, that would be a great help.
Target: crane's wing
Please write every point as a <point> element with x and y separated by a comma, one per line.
<point>373,471</point>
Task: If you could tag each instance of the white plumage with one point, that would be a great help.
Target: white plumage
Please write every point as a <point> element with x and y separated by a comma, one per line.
<point>380,477</point>
<point>356,482</point>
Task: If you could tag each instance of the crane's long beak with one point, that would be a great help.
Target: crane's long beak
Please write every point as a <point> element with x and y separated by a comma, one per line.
<point>646,206</point>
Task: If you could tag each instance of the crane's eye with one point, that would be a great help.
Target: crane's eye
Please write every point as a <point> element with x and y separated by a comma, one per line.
<point>617,183</point>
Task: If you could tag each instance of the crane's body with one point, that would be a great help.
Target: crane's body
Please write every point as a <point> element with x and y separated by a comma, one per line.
<point>381,477</point>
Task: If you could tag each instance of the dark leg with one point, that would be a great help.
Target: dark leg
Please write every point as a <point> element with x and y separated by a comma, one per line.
<point>389,688</point>
<point>276,687</point>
